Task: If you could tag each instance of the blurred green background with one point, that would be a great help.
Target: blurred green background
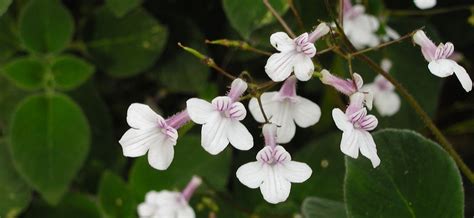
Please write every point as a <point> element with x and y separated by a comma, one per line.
<point>71,68</point>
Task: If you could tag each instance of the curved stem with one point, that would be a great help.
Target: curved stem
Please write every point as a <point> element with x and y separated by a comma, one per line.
<point>278,17</point>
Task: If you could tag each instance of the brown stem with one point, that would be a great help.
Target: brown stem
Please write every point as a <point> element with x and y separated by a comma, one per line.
<point>238,44</point>
<point>406,36</point>
<point>278,17</point>
<point>296,14</point>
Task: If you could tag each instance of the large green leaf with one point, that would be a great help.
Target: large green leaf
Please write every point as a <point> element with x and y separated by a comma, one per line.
<point>416,178</point>
<point>14,192</point>
<point>122,7</point>
<point>327,162</point>
<point>27,73</point>
<point>314,207</point>
<point>4,4</point>
<point>45,26</point>
<point>49,141</point>
<point>10,96</point>
<point>189,159</point>
<point>70,72</point>
<point>128,45</point>
<point>74,205</point>
<point>9,42</point>
<point>115,197</point>
<point>248,15</point>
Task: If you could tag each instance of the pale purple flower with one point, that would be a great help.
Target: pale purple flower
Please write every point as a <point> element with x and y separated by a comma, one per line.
<point>439,60</point>
<point>220,120</point>
<point>151,133</point>
<point>355,125</point>
<point>425,4</point>
<point>294,54</point>
<point>274,171</point>
<point>169,204</point>
<point>285,108</point>
<point>386,100</point>
<point>361,28</point>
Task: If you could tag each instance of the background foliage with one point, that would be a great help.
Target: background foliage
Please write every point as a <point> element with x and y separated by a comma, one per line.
<point>70,69</point>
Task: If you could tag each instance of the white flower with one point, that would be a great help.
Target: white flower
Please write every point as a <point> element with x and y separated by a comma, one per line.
<point>439,60</point>
<point>220,120</point>
<point>361,28</point>
<point>285,108</point>
<point>425,4</point>
<point>295,54</point>
<point>386,100</point>
<point>169,204</point>
<point>274,171</point>
<point>151,133</point>
<point>355,125</point>
<point>165,204</point>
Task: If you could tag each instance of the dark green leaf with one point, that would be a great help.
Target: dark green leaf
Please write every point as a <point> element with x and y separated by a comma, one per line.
<point>74,205</point>
<point>122,7</point>
<point>4,4</point>
<point>9,42</point>
<point>189,159</point>
<point>14,192</point>
<point>327,162</point>
<point>416,178</point>
<point>45,26</point>
<point>126,46</point>
<point>248,15</point>
<point>49,141</point>
<point>70,72</point>
<point>115,197</point>
<point>26,73</point>
<point>314,207</point>
<point>10,96</point>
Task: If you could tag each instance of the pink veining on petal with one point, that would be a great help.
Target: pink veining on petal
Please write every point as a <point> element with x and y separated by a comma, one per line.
<point>288,89</point>
<point>304,46</point>
<point>178,120</point>
<point>237,88</point>
<point>368,123</point>
<point>356,103</point>
<point>444,51</point>
<point>195,182</point>
<point>265,155</point>
<point>236,112</point>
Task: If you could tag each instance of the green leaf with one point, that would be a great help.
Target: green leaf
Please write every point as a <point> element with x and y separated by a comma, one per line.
<point>126,46</point>
<point>416,178</point>
<point>189,159</point>
<point>115,197</point>
<point>45,26</point>
<point>4,4</point>
<point>122,7</point>
<point>26,73</point>
<point>10,96</point>
<point>9,42</point>
<point>74,205</point>
<point>15,194</point>
<point>70,72</point>
<point>327,162</point>
<point>314,207</point>
<point>49,141</point>
<point>245,16</point>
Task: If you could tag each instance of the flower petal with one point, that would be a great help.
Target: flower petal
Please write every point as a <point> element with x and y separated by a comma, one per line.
<point>199,110</point>
<point>350,143</point>
<point>239,136</point>
<point>141,116</point>
<point>425,4</point>
<point>367,147</point>
<point>463,77</point>
<point>305,112</point>
<point>304,67</point>
<point>275,188</point>
<point>221,103</point>
<point>442,67</point>
<point>268,104</point>
<point>280,65</point>
<point>295,172</point>
<point>145,210</point>
<point>283,117</point>
<point>214,134</point>
<point>185,211</point>
<point>136,142</point>
<point>282,42</point>
<point>237,111</point>
<point>341,121</point>
<point>387,103</point>
<point>161,153</point>
<point>251,174</point>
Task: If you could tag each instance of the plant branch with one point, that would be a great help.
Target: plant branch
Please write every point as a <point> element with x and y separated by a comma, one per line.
<point>279,18</point>
<point>406,36</point>
<point>237,44</point>
<point>296,14</point>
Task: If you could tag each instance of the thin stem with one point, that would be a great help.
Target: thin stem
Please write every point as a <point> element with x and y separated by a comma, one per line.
<point>429,12</point>
<point>326,50</point>
<point>260,105</point>
<point>278,17</point>
<point>207,61</point>
<point>239,45</point>
<point>406,36</point>
<point>296,14</point>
